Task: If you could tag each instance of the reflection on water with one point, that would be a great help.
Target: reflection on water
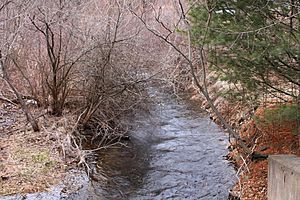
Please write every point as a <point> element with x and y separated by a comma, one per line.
<point>175,152</point>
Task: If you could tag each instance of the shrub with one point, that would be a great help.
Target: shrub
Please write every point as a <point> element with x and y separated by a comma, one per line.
<point>284,113</point>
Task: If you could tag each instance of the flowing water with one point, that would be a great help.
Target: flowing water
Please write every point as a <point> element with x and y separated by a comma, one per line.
<point>175,152</point>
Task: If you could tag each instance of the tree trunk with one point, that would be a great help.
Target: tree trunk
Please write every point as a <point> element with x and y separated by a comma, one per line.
<point>56,105</point>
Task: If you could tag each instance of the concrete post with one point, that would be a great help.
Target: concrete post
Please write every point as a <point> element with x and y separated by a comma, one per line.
<point>284,177</point>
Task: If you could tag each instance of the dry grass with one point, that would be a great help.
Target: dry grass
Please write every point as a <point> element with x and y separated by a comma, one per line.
<point>28,164</point>
<point>34,161</point>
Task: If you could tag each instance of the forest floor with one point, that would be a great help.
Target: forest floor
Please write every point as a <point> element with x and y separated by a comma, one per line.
<point>267,139</point>
<point>33,161</point>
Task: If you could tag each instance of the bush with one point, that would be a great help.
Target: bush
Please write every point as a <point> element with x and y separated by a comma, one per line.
<point>284,113</point>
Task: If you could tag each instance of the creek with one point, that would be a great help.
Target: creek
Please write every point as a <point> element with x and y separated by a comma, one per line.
<point>175,152</point>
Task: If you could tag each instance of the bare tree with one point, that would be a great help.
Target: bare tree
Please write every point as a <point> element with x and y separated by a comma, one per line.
<point>89,53</point>
<point>112,73</point>
<point>66,41</point>
<point>12,23</point>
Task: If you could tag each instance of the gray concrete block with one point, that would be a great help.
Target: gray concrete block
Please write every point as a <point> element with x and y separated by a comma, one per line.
<point>284,177</point>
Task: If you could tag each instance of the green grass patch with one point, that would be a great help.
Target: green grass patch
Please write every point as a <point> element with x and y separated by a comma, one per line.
<point>284,113</point>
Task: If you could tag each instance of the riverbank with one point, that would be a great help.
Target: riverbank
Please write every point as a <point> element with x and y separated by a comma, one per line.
<point>265,138</point>
<point>34,161</point>
<point>75,185</point>
<point>268,139</point>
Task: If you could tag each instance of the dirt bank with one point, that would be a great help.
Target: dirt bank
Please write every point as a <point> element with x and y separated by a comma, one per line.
<point>31,162</point>
<point>265,138</point>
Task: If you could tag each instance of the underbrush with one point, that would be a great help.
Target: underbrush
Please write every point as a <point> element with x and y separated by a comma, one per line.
<point>280,115</point>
